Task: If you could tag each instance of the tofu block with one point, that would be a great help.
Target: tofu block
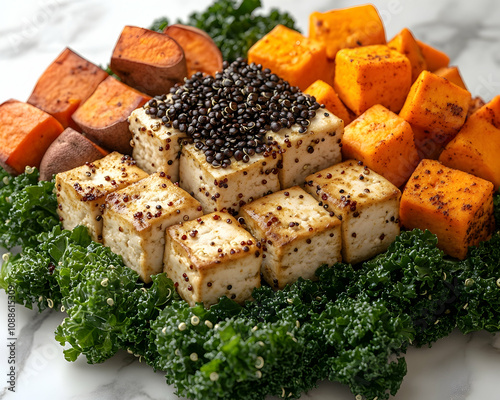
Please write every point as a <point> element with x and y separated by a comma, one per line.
<point>305,153</point>
<point>136,217</point>
<point>294,57</point>
<point>476,147</point>
<point>347,28</point>
<point>154,146</point>
<point>384,142</point>
<point>227,188</point>
<point>436,110</point>
<point>369,75</point>
<point>211,257</point>
<point>325,94</point>
<point>454,205</point>
<point>291,226</point>
<point>365,202</point>
<point>405,43</point>
<point>81,192</point>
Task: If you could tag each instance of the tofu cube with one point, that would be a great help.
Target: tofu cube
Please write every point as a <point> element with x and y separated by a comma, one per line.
<point>81,191</point>
<point>365,202</point>
<point>291,227</point>
<point>306,153</point>
<point>436,110</point>
<point>384,142</point>
<point>454,205</point>
<point>136,217</point>
<point>155,147</point>
<point>211,257</point>
<point>369,75</point>
<point>228,188</point>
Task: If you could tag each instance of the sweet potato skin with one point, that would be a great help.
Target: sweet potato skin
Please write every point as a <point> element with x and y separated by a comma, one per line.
<point>25,133</point>
<point>383,141</point>
<point>434,58</point>
<point>201,52</point>
<point>64,85</point>
<point>454,205</point>
<point>295,58</point>
<point>476,148</point>
<point>148,61</point>
<point>71,149</point>
<point>347,28</point>
<point>370,75</point>
<point>103,117</point>
<point>436,110</point>
<point>325,94</point>
<point>405,43</point>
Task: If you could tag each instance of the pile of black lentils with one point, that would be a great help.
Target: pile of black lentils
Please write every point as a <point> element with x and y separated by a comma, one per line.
<point>230,114</point>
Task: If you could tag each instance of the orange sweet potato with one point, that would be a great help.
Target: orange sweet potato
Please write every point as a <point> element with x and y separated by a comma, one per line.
<point>454,205</point>
<point>25,133</point>
<point>436,110</point>
<point>71,149</point>
<point>434,58</point>
<point>369,75</point>
<point>148,61</point>
<point>476,148</point>
<point>347,28</point>
<point>384,142</point>
<point>405,43</point>
<point>65,84</point>
<point>326,95</point>
<point>201,52</point>
<point>295,58</point>
<point>452,74</point>
<point>103,117</point>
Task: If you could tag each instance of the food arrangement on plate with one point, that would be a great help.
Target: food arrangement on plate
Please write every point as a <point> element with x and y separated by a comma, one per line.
<point>304,210</point>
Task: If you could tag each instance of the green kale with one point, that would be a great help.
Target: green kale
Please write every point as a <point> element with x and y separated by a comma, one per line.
<point>27,208</point>
<point>496,209</point>
<point>233,25</point>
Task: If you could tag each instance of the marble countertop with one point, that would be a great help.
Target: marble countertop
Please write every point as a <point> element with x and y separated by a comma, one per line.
<point>34,32</point>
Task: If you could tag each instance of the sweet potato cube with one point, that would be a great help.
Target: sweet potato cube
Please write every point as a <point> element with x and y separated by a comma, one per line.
<point>452,74</point>
<point>149,61</point>
<point>454,205</point>
<point>436,110</point>
<point>476,147</point>
<point>405,43</point>
<point>104,116</point>
<point>371,75</point>
<point>347,28</point>
<point>295,58</point>
<point>434,58</point>
<point>64,85</point>
<point>25,133</point>
<point>325,94</point>
<point>383,141</point>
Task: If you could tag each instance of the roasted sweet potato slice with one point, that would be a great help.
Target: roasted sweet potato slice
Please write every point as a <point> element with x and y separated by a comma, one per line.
<point>434,58</point>
<point>65,84</point>
<point>201,52</point>
<point>71,149</point>
<point>25,133</point>
<point>103,117</point>
<point>148,61</point>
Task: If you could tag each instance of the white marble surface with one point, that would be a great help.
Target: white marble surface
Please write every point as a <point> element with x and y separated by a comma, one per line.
<point>34,32</point>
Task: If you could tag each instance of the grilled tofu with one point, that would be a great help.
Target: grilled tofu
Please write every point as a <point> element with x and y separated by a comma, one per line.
<point>136,217</point>
<point>155,147</point>
<point>297,235</point>
<point>210,257</point>
<point>366,203</point>
<point>227,188</point>
<point>305,153</point>
<point>81,191</point>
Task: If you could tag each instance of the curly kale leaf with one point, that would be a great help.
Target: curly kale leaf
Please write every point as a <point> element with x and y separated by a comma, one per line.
<point>413,277</point>
<point>233,25</point>
<point>479,276</point>
<point>27,208</point>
